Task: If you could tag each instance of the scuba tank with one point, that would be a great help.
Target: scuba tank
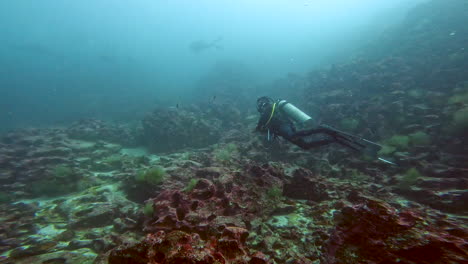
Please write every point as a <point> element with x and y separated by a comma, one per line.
<point>294,113</point>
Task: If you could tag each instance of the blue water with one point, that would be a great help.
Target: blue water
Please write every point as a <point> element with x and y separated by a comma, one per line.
<point>66,60</point>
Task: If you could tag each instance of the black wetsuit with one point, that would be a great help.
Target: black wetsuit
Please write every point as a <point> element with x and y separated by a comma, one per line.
<point>279,124</point>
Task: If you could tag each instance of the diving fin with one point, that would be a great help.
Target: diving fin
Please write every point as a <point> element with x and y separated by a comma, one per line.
<point>371,150</point>
<point>387,161</point>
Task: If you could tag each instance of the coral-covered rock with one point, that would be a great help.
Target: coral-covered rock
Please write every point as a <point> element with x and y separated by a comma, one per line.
<point>17,225</point>
<point>451,201</point>
<point>83,255</point>
<point>46,162</point>
<point>99,207</point>
<point>374,232</point>
<point>181,247</point>
<point>439,186</point>
<point>205,210</point>
<point>305,186</point>
<point>173,129</point>
<point>259,258</point>
<point>93,130</point>
<point>34,162</point>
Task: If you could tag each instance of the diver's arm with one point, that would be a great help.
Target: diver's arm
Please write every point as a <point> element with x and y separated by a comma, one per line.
<point>262,121</point>
<point>260,126</point>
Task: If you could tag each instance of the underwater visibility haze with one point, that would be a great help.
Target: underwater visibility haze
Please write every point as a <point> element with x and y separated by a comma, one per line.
<point>300,131</point>
<point>114,59</point>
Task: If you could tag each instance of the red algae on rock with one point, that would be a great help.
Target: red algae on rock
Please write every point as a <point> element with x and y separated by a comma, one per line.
<point>375,232</point>
<point>181,247</point>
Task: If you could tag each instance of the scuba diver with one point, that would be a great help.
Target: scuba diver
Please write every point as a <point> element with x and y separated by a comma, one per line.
<point>277,118</point>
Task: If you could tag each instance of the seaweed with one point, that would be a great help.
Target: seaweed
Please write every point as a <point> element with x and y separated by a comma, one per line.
<point>419,138</point>
<point>459,99</point>
<point>460,119</point>
<point>225,154</point>
<point>5,197</point>
<point>275,193</point>
<point>60,180</point>
<point>400,142</point>
<point>386,150</point>
<point>191,185</point>
<point>349,124</point>
<point>61,172</point>
<point>393,144</point>
<point>148,208</point>
<point>154,176</point>
<point>409,179</point>
<point>114,161</point>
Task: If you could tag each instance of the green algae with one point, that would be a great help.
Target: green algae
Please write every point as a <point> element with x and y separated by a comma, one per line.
<point>62,171</point>
<point>415,93</point>
<point>349,124</point>
<point>5,197</point>
<point>275,193</point>
<point>460,119</point>
<point>409,179</point>
<point>225,153</point>
<point>154,176</point>
<point>394,143</point>
<point>289,220</point>
<point>461,98</point>
<point>114,161</point>
<point>403,142</point>
<point>386,150</point>
<point>419,138</point>
<point>400,142</point>
<point>358,177</point>
<point>60,180</point>
<point>148,208</point>
<point>191,185</point>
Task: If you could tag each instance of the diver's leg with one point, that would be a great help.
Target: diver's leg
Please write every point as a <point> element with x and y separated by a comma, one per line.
<point>349,144</point>
<point>308,144</point>
<point>287,131</point>
<point>338,137</point>
<point>300,139</point>
<point>309,132</point>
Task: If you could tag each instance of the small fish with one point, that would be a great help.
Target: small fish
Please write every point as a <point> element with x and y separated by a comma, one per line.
<point>213,99</point>
<point>177,105</point>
